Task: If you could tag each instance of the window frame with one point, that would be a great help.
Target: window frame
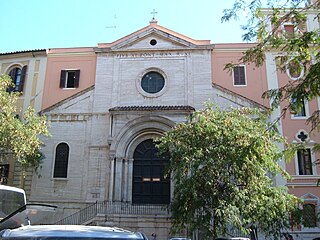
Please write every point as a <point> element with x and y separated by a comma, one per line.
<point>287,34</point>
<point>151,95</point>
<point>314,206</point>
<point>306,109</point>
<point>245,76</point>
<point>158,77</point>
<point>55,160</point>
<point>22,77</point>
<point>5,170</point>
<point>64,74</point>
<point>312,158</point>
<point>288,70</point>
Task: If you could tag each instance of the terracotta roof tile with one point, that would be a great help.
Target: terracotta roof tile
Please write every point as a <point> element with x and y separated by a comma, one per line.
<point>26,51</point>
<point>151,108</point>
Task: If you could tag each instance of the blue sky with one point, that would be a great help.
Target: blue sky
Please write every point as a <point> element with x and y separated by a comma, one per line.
<point>37,24</point>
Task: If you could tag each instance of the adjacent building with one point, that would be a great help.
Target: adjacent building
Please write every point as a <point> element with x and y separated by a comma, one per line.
<point>27,70</point>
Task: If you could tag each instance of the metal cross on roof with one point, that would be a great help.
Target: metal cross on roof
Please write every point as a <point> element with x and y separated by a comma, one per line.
<point>154,13</point>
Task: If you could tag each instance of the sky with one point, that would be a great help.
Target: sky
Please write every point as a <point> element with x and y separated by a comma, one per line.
<point>43,24</point>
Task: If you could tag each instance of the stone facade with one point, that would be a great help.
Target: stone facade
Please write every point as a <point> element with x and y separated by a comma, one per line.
<point>104,124</point>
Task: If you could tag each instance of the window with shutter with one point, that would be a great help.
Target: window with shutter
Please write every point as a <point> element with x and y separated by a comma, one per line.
<point>69,78</point>
<point>304,161</point>
<point>18,78</point>
<point>239,76</point>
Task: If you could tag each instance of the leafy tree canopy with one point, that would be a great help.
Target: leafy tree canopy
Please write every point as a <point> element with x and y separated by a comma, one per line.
<point>222,165</point>
<point>19,137</point>
<point>298,50</point>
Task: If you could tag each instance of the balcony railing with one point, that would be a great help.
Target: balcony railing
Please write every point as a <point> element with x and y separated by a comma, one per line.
<point>113,208</point>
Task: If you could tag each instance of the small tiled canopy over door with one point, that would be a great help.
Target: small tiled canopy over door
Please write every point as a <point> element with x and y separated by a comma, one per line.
<point>149,184</point>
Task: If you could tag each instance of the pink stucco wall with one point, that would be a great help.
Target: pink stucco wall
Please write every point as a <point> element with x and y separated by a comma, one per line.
<point>255,76</point>
<point>291,125</point>
<point>62,59</point>
<point>257,84</point>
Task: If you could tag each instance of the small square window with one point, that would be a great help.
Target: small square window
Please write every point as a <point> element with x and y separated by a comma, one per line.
<point>289,30</point>
<point>69,78</point>
<point>239,76</point>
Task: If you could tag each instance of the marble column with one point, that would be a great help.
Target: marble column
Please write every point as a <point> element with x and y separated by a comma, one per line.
<point>118,179</point>
<point>125,181</point>
<point>130,180</point>
<point>111,182</point>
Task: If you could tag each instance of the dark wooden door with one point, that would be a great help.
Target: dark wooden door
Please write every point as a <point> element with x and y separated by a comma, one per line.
<point>149,184</point>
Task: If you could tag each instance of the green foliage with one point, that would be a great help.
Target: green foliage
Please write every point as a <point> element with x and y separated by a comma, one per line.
<point>301,46</point>
<point>19,137</point>
<point>221,164</point>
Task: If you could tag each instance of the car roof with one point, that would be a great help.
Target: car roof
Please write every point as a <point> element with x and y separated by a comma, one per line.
<point>71,231</point>
<point>179,238</point>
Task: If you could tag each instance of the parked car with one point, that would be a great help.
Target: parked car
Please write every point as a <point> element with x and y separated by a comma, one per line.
<point>70,232</point>
<point>233,238</point>
<point>179,238</point>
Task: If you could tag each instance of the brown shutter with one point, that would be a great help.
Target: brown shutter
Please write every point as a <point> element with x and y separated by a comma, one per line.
<point>22,78</point>
<point>242,76</point>
<point>77,78</point>
<point>236,75</point>
<point>12,74</point>
<point>63,78</point>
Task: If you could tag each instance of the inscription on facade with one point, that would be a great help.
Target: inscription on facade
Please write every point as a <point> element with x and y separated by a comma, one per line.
<point>149,54</point>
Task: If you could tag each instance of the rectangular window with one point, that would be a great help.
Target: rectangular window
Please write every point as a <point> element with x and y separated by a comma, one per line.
<point>61,161</point>
<point>300,109</point>
<point>4,173</point>
<point>309,215</point>
<point>304,161</point>
<point>69,78</point>
<point>239,76</point>
<point>289,30</point>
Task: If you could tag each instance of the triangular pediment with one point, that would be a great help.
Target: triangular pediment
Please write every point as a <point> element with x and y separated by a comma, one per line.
<point>154,37</point>
<point>310,196</point>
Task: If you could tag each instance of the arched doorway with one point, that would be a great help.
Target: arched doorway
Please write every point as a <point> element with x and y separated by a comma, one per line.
<point>149,184</point>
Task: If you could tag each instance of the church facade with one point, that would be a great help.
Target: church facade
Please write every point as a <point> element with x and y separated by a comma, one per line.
<point>106,104</point>
<point>101,147</point>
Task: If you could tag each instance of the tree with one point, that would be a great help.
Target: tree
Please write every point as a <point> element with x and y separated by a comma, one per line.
<point>300,48</point>
<point>19,138</point>
<point>222,164</point>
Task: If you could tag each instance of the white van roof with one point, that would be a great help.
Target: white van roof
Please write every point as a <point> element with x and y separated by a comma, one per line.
<point>14,189</point>
<point>71,231</point>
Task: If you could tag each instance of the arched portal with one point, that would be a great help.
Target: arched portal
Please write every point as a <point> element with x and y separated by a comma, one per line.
<point>149,184</point>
